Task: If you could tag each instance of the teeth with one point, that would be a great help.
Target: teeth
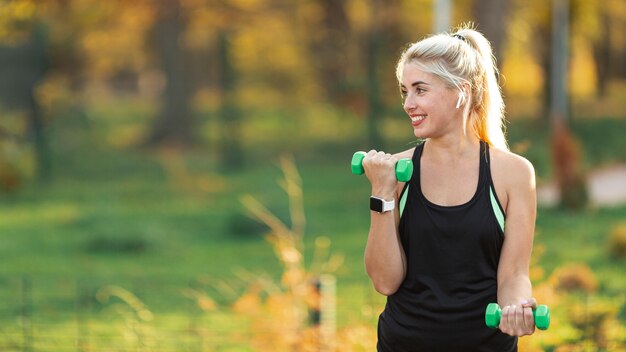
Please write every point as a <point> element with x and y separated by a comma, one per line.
<point>418,118</point>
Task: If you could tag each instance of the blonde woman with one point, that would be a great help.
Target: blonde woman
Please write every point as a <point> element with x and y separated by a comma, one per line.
<point>460,232</point>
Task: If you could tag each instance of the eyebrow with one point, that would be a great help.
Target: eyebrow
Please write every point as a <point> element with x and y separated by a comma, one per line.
<point>415,84</point>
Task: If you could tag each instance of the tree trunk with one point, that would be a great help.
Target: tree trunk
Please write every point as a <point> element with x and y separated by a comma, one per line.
<point>174,123</point>
<point>230,147</point>
<point>491,16</point>
<point>40,140</point>
<point>566,151</point>
<point>35,116</point>
<point>545,60</point>
<point>375,105</point>
<point>329,46</point>
<point>602,53</point>
<point>22,67</point>
<point>560,59</point>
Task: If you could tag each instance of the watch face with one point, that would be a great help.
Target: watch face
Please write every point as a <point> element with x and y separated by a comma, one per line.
<point>376,204</point>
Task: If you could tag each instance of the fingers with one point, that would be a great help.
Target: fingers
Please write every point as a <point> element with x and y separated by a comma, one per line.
<point>373,154</point>
<point>518,320</point>
<point>530,303</point>
<point>374,157</point>
<point>380,170</point>
<point>507,322</point>
<point>529,321</point>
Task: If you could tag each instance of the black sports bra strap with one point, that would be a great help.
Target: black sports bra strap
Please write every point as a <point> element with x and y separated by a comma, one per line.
<point>483,175</point>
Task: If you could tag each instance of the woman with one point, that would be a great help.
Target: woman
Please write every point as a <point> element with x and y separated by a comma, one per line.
<point>444,253</point>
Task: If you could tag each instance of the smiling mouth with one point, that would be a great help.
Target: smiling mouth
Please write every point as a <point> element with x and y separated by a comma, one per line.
<point>417,118</point>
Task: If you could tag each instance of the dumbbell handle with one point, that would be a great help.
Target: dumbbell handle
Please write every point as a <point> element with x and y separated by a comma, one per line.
<point>541,316</point>
<point>404,167</point>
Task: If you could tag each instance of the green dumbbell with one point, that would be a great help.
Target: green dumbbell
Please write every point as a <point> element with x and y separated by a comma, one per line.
<point>541,316</point>
<point>404,167</point>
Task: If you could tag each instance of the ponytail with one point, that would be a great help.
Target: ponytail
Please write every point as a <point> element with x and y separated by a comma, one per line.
<point>465,57</point>
<point>488,113</point>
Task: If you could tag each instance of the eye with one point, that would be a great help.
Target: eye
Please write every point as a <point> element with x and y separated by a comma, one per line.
<point>404,93</point>
<point>420,90</point>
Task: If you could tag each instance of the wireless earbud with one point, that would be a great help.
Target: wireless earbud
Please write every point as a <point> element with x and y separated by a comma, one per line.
<point>461,97</point>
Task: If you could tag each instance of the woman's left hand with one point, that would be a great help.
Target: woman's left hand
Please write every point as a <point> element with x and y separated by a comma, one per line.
<point>518,320</point>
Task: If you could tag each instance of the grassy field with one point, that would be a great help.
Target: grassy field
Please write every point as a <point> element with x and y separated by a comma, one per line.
<point>158,222</point>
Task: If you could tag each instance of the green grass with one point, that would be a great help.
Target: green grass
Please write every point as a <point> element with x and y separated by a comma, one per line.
<point>582,238</point>
<point>115,215</point>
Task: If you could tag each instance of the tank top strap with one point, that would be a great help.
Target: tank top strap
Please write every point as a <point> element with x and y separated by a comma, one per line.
<point>484,176</point>
<point>498,211</point>
<point>485,158</point>
<point>417,154</point>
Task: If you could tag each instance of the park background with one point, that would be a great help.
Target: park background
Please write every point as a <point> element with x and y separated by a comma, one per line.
<point>174,173</point>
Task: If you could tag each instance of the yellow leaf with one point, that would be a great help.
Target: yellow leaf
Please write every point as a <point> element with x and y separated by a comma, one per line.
<point>248,303</point>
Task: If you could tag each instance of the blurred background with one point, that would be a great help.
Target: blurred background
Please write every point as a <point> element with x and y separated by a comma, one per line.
<point>174,173</point>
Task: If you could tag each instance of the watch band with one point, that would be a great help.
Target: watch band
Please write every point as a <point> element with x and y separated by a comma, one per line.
<point>380,205</point>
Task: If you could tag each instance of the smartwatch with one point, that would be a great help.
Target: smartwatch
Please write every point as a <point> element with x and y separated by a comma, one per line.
<point>380,205</point>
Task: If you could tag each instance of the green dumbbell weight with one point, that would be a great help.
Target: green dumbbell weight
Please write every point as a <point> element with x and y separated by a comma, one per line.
<point>541,315</point>
<point>404,167</point>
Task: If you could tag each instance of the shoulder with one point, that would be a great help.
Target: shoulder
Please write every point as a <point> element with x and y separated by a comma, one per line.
<point>511,169</point>
<point>407,154</point>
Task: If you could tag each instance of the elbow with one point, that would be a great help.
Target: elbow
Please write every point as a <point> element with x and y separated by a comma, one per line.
<point>386,290</point>
<point>386,287</point>
<point>386,280</point>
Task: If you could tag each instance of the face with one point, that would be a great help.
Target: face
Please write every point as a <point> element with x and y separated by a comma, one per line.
<point>430,104</point>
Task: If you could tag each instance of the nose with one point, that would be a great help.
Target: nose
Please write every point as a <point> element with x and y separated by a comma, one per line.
<point>409,103</point>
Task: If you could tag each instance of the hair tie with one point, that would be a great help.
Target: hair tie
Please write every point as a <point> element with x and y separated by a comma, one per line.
<point>458,36</point>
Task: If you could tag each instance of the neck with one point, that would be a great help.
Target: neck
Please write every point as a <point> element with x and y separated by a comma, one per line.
<point>450,149</point>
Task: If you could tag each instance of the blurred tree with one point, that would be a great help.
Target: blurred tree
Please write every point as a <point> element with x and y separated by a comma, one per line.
<point>596,38</point>
<point>174,123</point>
<point>602,52</point>
<point>23,64</point>
<point>603,25</point>
<point>560,59</point>
<point>383,39</point>
<point>230,151</point>
<point>566,151</point>
<point>288,55</point>
<point>534,21</point>
<point>329,45</point>
<point>491,19</point>
<point>372,51</point>
<point>39,66</point>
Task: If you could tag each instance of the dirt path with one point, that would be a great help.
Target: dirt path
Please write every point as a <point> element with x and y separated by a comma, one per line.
<point>607,187</point>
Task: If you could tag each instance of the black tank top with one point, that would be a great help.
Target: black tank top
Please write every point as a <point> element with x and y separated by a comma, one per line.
<point>452,257</point>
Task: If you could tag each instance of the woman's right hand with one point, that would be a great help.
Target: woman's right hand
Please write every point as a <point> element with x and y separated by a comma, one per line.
<point>380,169</point>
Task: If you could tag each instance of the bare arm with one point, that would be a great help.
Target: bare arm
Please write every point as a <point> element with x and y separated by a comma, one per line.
<point>514,286</point>
<point>384,257</point>
<point>385,261</point>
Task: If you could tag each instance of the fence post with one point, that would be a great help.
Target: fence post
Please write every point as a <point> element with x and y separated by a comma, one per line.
<point>194,333</point>
<point>324,314</point>
<point>81,305</point>
<point>26,319</point>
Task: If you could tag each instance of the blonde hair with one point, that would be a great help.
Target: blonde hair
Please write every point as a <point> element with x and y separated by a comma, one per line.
<point>464,57</point>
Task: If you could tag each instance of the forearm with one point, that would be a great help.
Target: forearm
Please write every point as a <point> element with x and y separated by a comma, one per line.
<point>384,256</point>
<point>514,289</point>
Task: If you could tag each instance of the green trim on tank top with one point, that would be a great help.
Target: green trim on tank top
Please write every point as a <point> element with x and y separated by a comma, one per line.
<point>403,199</point>
<point>494,204</point>
<point>496,209</point>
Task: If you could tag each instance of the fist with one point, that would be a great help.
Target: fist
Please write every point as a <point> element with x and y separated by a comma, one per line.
<point>518,320</point>
<point>380,171</point>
